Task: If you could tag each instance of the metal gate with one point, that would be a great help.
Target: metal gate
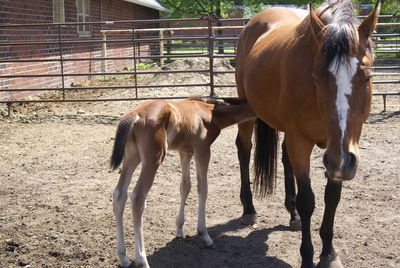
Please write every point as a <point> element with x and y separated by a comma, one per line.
<point>63,52</point>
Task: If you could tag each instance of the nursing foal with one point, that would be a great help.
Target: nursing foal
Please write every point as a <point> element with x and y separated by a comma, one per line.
<point>189,126</point>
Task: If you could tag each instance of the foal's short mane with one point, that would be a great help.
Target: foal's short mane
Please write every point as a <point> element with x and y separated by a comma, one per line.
<point>225,101</point>
<point>341,38</point>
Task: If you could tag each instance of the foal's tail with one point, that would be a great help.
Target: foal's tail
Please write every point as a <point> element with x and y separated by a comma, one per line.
<point>121,137</point>
<point>265,157</point>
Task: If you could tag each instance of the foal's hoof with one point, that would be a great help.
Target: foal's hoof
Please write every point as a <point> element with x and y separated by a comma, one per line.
<point>125,262</point>
<point>130,265</point>
<point>249,219</point>
<point>295,225</point>
<point>180,234</point>
<point>329,262</point>
<point>142,265</point>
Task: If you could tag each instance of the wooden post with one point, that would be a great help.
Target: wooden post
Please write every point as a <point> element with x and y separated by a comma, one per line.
<point>103,52</point>
<point>162,47</point>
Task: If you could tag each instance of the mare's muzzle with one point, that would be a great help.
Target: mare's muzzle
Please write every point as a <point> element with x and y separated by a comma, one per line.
<point>344,169</point>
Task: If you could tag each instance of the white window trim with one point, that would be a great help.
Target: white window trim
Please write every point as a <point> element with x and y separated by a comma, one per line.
<point>62,11</point>
<point>84,14</point>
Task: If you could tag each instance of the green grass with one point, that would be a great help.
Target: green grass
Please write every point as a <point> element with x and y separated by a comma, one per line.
<point>141,66</point>
<point>180,47</point>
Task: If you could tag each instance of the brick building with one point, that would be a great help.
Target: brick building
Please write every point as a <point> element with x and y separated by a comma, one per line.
<point>76,39</point>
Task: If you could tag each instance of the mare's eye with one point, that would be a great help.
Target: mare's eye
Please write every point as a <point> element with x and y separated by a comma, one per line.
<point>367,78</point>
<point>366,73</point>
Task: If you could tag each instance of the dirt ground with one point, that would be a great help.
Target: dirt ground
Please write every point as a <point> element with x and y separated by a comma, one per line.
<point>56,192</point>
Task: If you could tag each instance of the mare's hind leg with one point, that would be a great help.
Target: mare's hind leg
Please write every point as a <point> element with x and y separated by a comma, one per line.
<point>243,144</point>
<point>184,189</point>
<point>202,157</point>
<point>120,195</point>
<point>290,190</point>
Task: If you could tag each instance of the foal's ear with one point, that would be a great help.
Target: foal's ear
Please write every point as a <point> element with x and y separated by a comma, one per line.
<point>316,25</point>
<point>368,25</point>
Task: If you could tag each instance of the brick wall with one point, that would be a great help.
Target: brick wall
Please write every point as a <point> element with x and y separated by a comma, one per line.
<point>41,11</point>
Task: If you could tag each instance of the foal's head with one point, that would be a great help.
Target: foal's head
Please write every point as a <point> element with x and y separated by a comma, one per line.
<point>342,77</point>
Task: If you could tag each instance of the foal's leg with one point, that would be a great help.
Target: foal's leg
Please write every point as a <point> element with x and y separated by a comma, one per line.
<point>202,157</point>
<point>152,151</point>
<point>138,199</point>
<point>131,161</point>
<point>329,258</point>
<point>243,144</point>
<point>290,190</point>
<point>184,189</point>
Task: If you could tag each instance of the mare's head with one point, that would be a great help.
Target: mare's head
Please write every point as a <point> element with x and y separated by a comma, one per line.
<point>342,77</point>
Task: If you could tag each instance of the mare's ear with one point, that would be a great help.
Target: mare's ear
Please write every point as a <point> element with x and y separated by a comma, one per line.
<point>316,25</point>
<point>368,25</point>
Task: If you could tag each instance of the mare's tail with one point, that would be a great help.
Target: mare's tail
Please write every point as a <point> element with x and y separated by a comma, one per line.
<point>265,157</point>
<point>121,137</point>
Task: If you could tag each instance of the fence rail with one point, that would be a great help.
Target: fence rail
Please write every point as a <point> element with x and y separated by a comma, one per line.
<point>156,40</point>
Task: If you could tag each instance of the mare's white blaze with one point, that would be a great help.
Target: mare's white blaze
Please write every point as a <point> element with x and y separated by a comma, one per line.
<point>344,73</point>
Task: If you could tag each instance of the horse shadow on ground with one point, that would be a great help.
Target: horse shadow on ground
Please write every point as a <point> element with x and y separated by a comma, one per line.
<point>381,117</point>
<point>229,251</point>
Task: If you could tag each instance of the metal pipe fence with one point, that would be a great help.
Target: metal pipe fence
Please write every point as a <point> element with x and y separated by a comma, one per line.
<point>138,42</point>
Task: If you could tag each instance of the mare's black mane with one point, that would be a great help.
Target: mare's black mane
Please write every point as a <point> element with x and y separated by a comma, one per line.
<point>341,37</point>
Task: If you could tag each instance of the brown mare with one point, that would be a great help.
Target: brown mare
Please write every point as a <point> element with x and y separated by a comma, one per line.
<point>145,133</point>
<point>307,74</point>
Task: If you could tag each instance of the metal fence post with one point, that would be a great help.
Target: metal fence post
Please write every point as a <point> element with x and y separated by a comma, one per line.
<point>211,39</point>
<point>8,109</point>
<point>162,47</point>
<point>384,102</point>
<point>134,60</point>
<point>103,52</point>
<point>61,62</point>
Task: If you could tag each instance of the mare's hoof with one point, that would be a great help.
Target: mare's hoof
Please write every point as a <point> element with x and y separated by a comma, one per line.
<point>295,225</point>
<point>212,246</point>
<point>249,219</point>
<point>310,265</point>
<point>329,262</point>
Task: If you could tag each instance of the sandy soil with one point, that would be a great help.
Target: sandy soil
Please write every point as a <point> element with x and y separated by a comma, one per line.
<point>55,205</point>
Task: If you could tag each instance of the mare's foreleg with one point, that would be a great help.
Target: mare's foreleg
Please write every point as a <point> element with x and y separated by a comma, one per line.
<point>202,158</point>
<point>329,258</point>
<point>290,190</point>
<point>184,190</point>
<point>305,203</point>
<point>299,152</point>
<point>120,195</point>
<point>243,144</point>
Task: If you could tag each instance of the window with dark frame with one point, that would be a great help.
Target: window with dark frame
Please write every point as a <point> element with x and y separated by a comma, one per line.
<point>58,11</point>
<point>82,14</point>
